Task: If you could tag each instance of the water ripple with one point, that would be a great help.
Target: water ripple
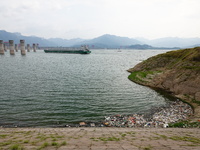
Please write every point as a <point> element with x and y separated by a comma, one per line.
<point>43,89</point>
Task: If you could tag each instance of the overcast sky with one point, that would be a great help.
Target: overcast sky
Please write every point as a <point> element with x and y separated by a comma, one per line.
<point>92,18</point>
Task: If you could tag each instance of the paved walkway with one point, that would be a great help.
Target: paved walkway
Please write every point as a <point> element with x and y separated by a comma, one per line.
<point>100,138</point>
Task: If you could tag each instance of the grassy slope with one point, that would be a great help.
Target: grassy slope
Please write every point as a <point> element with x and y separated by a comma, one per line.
<point>179,69</point>
<point>179,59</point>
<point>186,59</point>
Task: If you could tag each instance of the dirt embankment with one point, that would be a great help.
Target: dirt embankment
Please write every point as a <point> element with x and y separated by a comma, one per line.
<point>177,72</point>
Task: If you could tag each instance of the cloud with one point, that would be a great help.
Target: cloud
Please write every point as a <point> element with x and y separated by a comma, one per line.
<point>89,18</point>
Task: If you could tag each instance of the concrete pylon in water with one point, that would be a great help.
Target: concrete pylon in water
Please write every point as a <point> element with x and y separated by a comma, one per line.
<point>5,47</point>
<point>11,47</point>
<point>28,48</point>
<point>1,47</point>
<point>16,47</point>
<point>34,47</point>
<point>22,47</point>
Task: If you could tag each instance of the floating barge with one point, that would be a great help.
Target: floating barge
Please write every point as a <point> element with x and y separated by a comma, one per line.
<point>70,50</point>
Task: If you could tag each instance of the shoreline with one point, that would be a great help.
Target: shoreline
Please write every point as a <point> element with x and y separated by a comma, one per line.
<point>156,117</point>
<point>195,117</point>
<point>176,72</point>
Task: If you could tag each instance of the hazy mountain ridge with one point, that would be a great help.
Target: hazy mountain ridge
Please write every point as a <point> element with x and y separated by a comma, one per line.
<point>6,36</point>
<point>104,41</point>
<point>172,42</point>
<point>65,42</point>
<point>112,41</point>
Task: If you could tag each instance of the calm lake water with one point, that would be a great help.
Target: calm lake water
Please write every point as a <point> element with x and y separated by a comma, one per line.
<point>44,89</point>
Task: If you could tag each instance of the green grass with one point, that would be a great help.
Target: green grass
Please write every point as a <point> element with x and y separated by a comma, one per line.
<point>26,141</point>
<point>105,139</point>
<point>5,143</point>
<point>159,136</point>
<point>188,58</point>
<point>164,137</point>
<point>139,76</point>
<point>109,139</point>
<point>185,124</point>
<point>54,139</point>
<point>191,67</point>
<point>44,145</point>
<point>155,138</point>
<point>16,147</point>
<point>63,143</point>
<point>186,138</point>
<point>147,148</point>
<point>195,101</point>
<point>42,137</point>
<point>94,139</point>
<point>3,136</point>
<point>56,136</point>
<point>131,133</point>
<point>54,144</point>
<point>123,134</point>
<point>185,59</point>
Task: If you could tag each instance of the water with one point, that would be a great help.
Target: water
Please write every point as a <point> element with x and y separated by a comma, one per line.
<point>45,89</point>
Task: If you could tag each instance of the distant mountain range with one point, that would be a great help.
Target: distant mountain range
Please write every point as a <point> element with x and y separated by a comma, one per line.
<point>104,41</point>
<point>6,36</point>
<point>172,42</point>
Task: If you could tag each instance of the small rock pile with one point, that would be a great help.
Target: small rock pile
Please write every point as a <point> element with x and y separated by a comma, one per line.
<point>176,111</point>
<point>134,120</point>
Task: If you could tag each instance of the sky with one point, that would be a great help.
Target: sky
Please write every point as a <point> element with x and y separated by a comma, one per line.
<point>88,19</point>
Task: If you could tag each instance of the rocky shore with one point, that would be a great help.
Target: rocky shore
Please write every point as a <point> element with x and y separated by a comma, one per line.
<point>161,117</point>
<point>176,111</point>
<point>176,72</point>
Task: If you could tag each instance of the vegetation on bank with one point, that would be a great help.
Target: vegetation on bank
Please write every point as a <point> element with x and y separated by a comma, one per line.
<point>185,63</point>
<point>185,124</point>
<point>142,76</point>
<point>178,59</point>
<point>177,72</point>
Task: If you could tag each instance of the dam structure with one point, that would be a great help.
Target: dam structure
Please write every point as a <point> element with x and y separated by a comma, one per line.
<point>12,47</point>
<point>1,47</point>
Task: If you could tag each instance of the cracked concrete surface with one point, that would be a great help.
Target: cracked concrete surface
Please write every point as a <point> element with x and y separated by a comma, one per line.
<point>100,138</point>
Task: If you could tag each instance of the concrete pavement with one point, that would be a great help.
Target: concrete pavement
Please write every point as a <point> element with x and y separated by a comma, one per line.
<point>100,138</point>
